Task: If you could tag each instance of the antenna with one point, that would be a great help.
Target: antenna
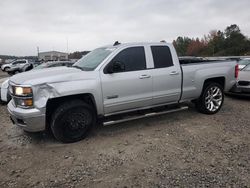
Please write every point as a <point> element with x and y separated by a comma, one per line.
<point>37,52</point>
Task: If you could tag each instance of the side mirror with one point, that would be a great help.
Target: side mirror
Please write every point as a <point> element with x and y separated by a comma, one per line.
<point>116,67</point>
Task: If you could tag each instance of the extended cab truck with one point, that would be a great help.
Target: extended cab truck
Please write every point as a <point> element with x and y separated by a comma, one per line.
<point>112,80</point>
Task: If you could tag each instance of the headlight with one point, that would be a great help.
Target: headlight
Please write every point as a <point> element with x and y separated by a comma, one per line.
<point>22,91</point>
<point>22,96</point>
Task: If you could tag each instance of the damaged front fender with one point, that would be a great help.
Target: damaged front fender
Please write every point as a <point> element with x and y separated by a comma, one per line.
<point>43,93</point>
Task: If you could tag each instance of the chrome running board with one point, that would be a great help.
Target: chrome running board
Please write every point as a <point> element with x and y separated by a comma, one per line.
<point>152,114</point>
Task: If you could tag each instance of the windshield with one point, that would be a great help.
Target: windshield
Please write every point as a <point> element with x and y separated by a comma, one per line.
<point>93,59</point>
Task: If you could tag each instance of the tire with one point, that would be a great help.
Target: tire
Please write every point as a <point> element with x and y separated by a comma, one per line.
<point>6,69</point>
<point>211,99</point>
<point>72,120</point>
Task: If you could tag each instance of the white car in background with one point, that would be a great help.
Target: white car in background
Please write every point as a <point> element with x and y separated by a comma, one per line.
<point>243,62</point>
<point>14,64</point>
<point>4,95</point>
<point>4,82</point>
<point>242,85</point>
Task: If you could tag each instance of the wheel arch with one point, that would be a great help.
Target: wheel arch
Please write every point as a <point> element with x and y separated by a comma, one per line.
<point>53,103</point>
<point>219,80</point>
<point>7,67</point>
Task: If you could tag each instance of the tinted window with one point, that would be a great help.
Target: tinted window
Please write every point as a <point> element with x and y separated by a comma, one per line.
<point>133,58</point>
<point>162,56</point>
<point>19,62</point>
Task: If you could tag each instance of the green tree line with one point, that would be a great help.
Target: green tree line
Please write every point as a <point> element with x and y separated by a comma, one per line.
<point>230,42</point>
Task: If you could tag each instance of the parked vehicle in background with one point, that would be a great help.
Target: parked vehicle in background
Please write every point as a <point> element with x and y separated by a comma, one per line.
<point>21,68</point>
<point>243,62</point>
<point>36,63</point>
<point>4,95</point>
<point>4,83</point>
<point>55,64</point>
<point>30,66</point>
<point>116,83</point>
<point>243,83</point>
<point>14,64</point>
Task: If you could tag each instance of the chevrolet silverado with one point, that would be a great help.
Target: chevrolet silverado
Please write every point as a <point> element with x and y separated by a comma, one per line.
<point>116,83</point>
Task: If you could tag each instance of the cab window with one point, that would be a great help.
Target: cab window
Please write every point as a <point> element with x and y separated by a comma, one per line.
<point>162,56</point>
<point>133,59</point>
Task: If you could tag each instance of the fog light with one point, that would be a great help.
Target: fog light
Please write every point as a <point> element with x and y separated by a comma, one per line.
<point>27,102</point>
<point>24,103</point>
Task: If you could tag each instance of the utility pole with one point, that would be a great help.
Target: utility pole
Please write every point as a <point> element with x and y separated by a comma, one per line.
<point>37,52</point>
<point>67,45</point>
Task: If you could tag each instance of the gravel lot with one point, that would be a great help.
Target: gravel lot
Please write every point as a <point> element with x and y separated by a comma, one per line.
<point>183,149</point>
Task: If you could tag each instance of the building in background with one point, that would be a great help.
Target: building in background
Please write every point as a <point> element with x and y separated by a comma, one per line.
<point>52,56</point>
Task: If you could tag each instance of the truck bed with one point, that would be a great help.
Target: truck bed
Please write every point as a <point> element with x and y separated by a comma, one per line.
<point>196,60</point>
<point>195,72</point>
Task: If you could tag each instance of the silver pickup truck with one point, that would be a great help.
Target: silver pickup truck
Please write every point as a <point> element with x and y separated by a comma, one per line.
<point>116,83</point>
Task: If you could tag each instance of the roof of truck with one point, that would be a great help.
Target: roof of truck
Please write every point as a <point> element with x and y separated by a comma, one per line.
<point>115,45</point>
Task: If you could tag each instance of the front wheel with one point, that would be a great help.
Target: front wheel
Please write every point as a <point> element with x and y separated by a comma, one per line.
<point>72,120</point>
<point>211,99</point>
<point>6,69</point>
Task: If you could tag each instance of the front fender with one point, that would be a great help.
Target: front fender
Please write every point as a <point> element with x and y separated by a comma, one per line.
<point>46,91</point>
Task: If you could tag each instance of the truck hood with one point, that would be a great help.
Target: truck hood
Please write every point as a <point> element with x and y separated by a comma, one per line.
<point>51,75</point>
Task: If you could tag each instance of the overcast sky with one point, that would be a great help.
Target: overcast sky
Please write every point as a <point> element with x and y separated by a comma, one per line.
<point>26,24</point>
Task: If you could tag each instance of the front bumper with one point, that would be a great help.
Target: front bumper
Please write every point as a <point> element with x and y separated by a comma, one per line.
<point>31,120</point>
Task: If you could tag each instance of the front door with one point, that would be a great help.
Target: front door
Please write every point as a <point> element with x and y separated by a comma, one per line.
<point>129,88</point>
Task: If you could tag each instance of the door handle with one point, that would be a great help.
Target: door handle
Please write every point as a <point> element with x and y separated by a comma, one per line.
<point>144,76</point>
<point>174,73</point>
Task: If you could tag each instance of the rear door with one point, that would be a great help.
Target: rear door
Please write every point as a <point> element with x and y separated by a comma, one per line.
<point>166,76</point>
<point>131,88</point>
<point>20,63</point>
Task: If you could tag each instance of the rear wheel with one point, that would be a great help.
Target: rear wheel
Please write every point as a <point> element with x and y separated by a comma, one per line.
<point>211,99</point>
<point>72,120</point>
